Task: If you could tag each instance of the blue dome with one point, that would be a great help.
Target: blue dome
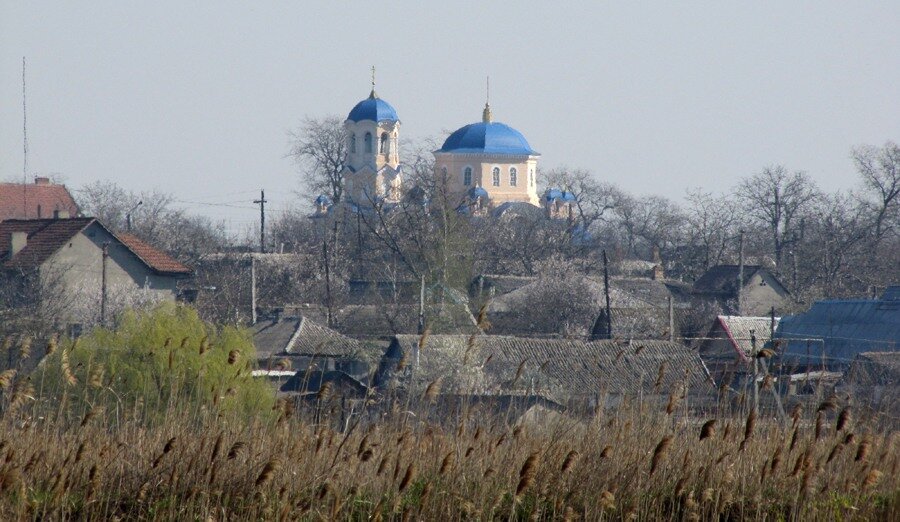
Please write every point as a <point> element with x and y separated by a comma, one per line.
<point>323,199</point>
<point>553,194</point>
<point>477,192</point>
<point>488,138</point>
<point>568,196</point>
<point>373,108</point>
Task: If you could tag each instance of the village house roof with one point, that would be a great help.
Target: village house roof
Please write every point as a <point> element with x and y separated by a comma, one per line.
<point>555,368</point>
<point>846,327</point>
<point>875,369</point>
<point>38,200</point>
<point>46,236</point>
<point>722,279</point>
<point>741,330</point>
<point>301,336</point>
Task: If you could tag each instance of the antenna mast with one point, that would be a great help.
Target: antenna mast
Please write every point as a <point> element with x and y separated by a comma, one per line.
<point>24,147</point>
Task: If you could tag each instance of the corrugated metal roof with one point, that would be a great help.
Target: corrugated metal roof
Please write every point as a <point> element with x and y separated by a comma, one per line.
<point>847,328</point>
<point>741,331</point>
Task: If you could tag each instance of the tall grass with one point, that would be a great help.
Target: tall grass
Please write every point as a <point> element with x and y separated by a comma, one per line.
<point>206,460</point>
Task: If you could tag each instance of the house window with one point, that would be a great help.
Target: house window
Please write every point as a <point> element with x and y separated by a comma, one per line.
<point>467,176</point>
<point>368,142</point>
<point>383,147</point>
<point>496,176</point>
<point>353,143</point>
<point>513,177</point>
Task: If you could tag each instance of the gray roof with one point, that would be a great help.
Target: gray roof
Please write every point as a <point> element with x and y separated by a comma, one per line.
<point>722,279</point>
<point>301,336</point>
<point>555,368</point>
<point>848,327</point>
<point>875,369</point>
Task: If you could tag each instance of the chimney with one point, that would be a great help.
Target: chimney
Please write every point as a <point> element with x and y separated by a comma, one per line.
<point>41,180</point>
<point>61,214</point>
<point>658,272</point>
<point>17,242</point>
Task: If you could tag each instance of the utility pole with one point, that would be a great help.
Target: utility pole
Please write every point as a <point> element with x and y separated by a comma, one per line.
<point>105,257</point>
<point>422,307</point>
<point>328,303</point>
<point>671,320</point>
<point>755,371</point>
<point>262,220</point>
<point>606,293</point>
<point>252,289</point>
<point>740,278</point>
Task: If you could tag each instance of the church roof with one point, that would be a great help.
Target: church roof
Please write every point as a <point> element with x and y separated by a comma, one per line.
<point>488,138</point>
<point>373,108</point>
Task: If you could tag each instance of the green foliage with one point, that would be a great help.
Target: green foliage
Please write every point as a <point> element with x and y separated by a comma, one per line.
<point>154,362</point>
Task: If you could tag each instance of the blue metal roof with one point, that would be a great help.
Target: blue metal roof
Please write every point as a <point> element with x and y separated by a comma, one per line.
<point>553,194</point>
<point>478,192</point>
<point>373,108</point>
<point>847,327</point>
<point>488,138</point>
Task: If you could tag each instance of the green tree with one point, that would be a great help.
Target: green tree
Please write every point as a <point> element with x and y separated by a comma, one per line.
<point>153,363</point>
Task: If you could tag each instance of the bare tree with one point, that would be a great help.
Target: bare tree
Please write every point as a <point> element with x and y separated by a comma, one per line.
<point>710,226</point>
<point>880,173</point>
<point>778,199</point>
<point>320,150</point>
<point>593,198</point>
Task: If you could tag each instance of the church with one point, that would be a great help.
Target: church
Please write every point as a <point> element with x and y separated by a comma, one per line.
<point>490,165</point>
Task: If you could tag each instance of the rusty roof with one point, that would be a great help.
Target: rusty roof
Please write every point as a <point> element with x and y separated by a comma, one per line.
<point>37,200</point>
<point>152,257</point>
<point>46,236</point>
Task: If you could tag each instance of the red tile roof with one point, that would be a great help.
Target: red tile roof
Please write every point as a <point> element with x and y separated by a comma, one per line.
<point>155,259</point>
<point>38,200</point>
<point>46,236</point>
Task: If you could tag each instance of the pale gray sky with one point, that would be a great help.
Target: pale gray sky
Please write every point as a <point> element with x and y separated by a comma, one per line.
<point>196,98</point>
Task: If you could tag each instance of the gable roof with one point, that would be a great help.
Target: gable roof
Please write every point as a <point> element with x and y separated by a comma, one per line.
<point>155,259</point>
<point>558,369</point>
<point>721,279</point>
<point>741,330</point>
<point>301,336</point>
<point>37,200</point>
<point>46,236</point>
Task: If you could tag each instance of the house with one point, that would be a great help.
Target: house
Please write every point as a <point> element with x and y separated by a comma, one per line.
<point>302,345</point>
<point>730,344</point>
<point>577,374</point>
<point>78,267</point>
<point>575,307</point>
<point>760,290</point>
<point>832,333</point>
<point>39,200</point>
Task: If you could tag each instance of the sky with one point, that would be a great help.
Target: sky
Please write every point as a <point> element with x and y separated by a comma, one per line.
<point>197,98</point>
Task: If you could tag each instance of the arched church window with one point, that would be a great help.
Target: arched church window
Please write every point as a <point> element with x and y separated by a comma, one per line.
<point>496,176</point>
<point>383,146</point>
<point>531,177</point>
<point>353,143</point>
<point>368,142</point>
<point>513,177</point>
<point>467,176</point>
<point>443,174</point>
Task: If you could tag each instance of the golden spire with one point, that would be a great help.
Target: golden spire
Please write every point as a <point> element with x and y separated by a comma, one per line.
<point>486,115</point>
<point>372,94</point>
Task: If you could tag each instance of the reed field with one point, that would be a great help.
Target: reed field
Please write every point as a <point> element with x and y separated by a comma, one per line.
<point>156,422</point>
